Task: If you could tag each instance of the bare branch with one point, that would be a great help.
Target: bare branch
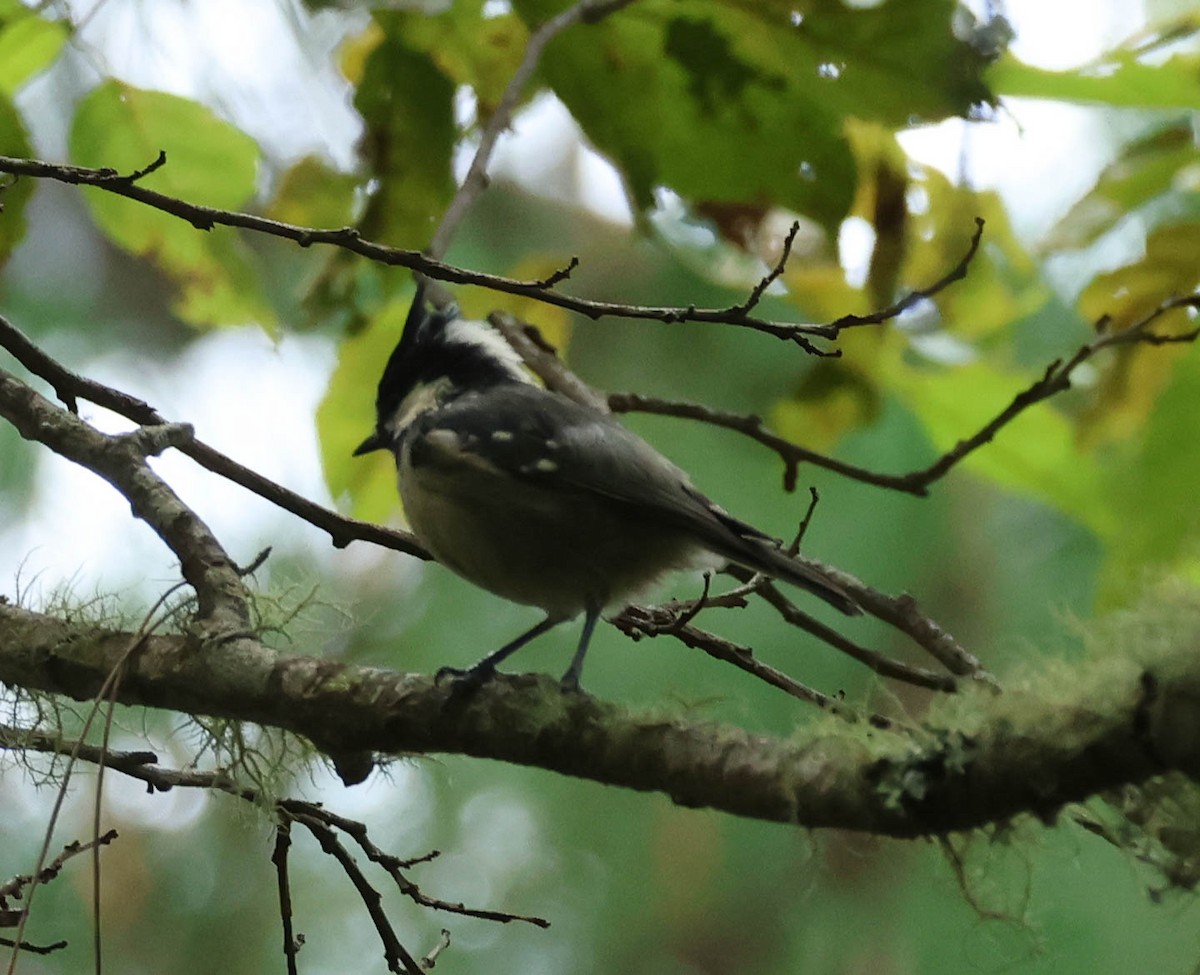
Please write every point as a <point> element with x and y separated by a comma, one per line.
<point>395,867</point>
<point>652,621</point>
<point>16,885</point>
<point>279,857</point>
<point>70,387</point>
<point>1055,379</point>
<point>121,460</point>
<point>957,273</point>
<point>143,766</point>
<point>397,956</point>
<point>347,238</point>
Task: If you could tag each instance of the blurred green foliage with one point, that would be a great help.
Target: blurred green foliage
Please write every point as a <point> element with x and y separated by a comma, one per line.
<point>748,116</point>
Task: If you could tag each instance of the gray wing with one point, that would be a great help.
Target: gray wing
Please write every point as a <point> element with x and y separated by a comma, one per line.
<point>541,437</point>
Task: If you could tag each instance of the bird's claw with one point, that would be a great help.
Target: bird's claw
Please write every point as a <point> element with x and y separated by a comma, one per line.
<point>463,682</point>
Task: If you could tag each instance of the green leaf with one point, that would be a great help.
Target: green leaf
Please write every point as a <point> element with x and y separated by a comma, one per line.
<point>1003,283</point>
<point>471,47</point>
<point>1119,80</point>
<point>1155,480</point>
<point>27,46</point>
<point>1035,455</point>
<point>407,105</point>
<point>209,162</point>
<point>14,194</point>
<point>311,194</point>
<point>1161,168</point>
<point>737,103</point>
<point>347,415</point>
<point>1128,392</point>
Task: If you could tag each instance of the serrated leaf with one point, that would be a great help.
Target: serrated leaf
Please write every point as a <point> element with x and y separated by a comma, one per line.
<point>209,162</point>
<point>736,103</point>
<point>28,46</point>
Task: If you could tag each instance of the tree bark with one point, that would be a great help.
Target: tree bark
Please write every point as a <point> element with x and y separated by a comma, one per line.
<point>1097,725</point>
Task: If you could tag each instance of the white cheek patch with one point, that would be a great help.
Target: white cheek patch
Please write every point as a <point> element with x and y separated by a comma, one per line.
<point>420,400</point>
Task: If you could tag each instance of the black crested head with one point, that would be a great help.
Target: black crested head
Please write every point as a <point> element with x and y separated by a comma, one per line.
<point>438,350</point>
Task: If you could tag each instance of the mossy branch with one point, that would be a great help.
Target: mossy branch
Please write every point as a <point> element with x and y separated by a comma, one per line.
<point>1114,719</point>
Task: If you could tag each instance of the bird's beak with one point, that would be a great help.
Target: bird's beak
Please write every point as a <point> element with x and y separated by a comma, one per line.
<point>374,442</point>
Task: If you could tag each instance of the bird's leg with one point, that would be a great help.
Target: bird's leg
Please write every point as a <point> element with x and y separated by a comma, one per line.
<point>483,671</point>
<point>570,680</point>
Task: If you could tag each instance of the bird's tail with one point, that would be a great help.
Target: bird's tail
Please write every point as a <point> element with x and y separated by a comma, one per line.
<point>762,556</point>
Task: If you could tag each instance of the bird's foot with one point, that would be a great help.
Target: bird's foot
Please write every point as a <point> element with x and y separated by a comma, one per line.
<point>463,682</point>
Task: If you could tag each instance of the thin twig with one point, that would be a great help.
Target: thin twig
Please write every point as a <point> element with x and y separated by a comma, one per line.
<point>639,621</point>
<point>143,766</point>
<point>873,660</point>
<point>347,238</point>
<point>14,887</point>
<point>279,857</point>
<point>814,498</point>
<point>957,273</point>
<point>475,180</point>
<point>431,956</point>
<point>70,387</point>
<point>32,948</point>
<point>751,426</point>
<point>1055,379</point>
<point>395,865</point>
<point>770,277</point>
<point>397,956</point>
<point>109,686</point>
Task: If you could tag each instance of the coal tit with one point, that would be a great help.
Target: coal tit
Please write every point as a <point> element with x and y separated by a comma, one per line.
<point>538,498</point>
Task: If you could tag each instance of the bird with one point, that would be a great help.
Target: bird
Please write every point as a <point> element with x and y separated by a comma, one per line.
<point>540,499</point>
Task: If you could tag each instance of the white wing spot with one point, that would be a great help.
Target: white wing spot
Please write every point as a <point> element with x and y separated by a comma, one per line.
<point>502,436</point>
<point>443,440</point>
<point>546,466</point>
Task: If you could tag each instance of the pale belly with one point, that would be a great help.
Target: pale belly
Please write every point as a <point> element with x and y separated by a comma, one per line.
<point>560,551</point>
